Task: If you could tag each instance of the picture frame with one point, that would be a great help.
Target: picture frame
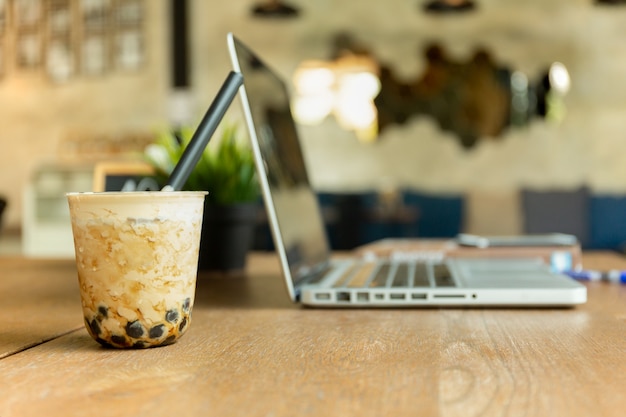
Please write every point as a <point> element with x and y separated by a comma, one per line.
<point>28,13</point>
<point>129,13</point>
<point>59,17</point>
<point>95,15</point>
<point>129,49</point>
<point>29,50</point>
<point>60,60</point>
<point>124,176</point>
<point>94,54</point>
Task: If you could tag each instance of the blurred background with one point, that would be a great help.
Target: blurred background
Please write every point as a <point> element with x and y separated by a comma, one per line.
<point>429,117</point>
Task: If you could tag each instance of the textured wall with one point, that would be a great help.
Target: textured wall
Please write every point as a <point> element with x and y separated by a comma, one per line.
<point>587,147</point>
<point>37,115</point>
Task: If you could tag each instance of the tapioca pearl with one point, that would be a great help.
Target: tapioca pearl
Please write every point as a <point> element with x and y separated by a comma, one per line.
<point>104,342</point>
<point>186,304</point>
<point>127,313</point>
<point>93,326</point>
<point>119,340</point>
<point>135,329</point>
<point>103,311</point>
<point>183,325</point>
<point>172,316</point>
<point>156,331</point>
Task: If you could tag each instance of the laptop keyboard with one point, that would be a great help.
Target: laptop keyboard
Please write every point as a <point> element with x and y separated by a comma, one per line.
<point>396,275</point>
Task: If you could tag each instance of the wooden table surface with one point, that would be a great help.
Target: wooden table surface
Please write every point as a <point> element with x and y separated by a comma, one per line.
<point>251,352</point>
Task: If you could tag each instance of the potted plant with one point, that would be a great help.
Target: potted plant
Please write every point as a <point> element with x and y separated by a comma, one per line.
<point>226,170</point>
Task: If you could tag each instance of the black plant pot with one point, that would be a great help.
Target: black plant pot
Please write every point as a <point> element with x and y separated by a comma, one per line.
<point>227,236</point>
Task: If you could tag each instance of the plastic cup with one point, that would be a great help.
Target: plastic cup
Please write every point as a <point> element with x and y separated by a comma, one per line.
<point>137,262</point>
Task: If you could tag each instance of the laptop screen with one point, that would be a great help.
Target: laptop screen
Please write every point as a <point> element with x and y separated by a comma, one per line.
<point>292,206</point>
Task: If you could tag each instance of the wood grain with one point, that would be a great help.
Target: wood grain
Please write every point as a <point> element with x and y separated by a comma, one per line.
<point>251,352</point>
<point>39,301</point>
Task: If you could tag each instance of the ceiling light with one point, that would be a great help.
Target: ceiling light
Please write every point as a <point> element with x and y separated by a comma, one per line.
<point>274,9</point>
<point>448,6</point>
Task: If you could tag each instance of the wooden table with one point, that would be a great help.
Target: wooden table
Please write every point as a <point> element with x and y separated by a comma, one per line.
<point>251,352</point>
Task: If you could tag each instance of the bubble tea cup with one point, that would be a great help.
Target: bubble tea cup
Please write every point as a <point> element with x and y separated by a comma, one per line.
<point>137,262</point>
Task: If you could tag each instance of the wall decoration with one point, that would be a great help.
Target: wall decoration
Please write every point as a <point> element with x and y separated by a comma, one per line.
<point>474,99</point>
<point>94,54</point>
<point>66,38</point>
<point>60,59</point>
<point>95,15</point>
<point>129,13</point>
<point>95,43</point>
<point>29,50</point>
<point>128,51</point>
<point>28,18</point>
<point>59,17</point>
<point>28,14</point>
<point>59,46</point>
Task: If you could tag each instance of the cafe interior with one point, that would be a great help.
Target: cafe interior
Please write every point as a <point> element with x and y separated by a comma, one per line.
<point>417,119</point>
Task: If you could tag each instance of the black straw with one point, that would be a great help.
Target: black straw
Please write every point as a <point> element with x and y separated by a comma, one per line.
<point>204,132</point>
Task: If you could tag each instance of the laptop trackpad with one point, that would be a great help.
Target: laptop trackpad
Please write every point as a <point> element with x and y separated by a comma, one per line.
<point>508,273</point>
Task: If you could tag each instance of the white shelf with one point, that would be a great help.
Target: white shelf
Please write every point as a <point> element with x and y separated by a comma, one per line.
<point>46,226</point>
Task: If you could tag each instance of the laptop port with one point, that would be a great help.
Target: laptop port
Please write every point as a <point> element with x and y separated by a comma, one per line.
<point>398,296</point>
<point>419,296</point>
<point>362,296</point>
<point>379,296</point>
<point>343,296</point>
<point>322,296</point>
<point>449,296</point>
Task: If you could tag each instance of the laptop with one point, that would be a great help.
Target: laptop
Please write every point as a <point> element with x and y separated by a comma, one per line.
<point>314,278</point>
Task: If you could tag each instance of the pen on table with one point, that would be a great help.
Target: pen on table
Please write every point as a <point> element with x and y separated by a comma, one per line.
<point>612,275</point>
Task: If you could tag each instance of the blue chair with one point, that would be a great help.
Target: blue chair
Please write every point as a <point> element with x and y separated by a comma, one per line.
<point>439,215</point>
<point>353,221</point>
<point>557,211</point>
<point>607,222</point>
<point>328,205</point>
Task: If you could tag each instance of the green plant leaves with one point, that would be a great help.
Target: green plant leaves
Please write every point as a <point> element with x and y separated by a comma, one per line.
<point>226,169</point>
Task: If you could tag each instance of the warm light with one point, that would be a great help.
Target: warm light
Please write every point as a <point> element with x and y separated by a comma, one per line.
<point>362,84</point>
<point>354,112</point>
<point>345,88</point>
<point>312,109</point>
<point>559,78</point>
<point>311,77</point>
